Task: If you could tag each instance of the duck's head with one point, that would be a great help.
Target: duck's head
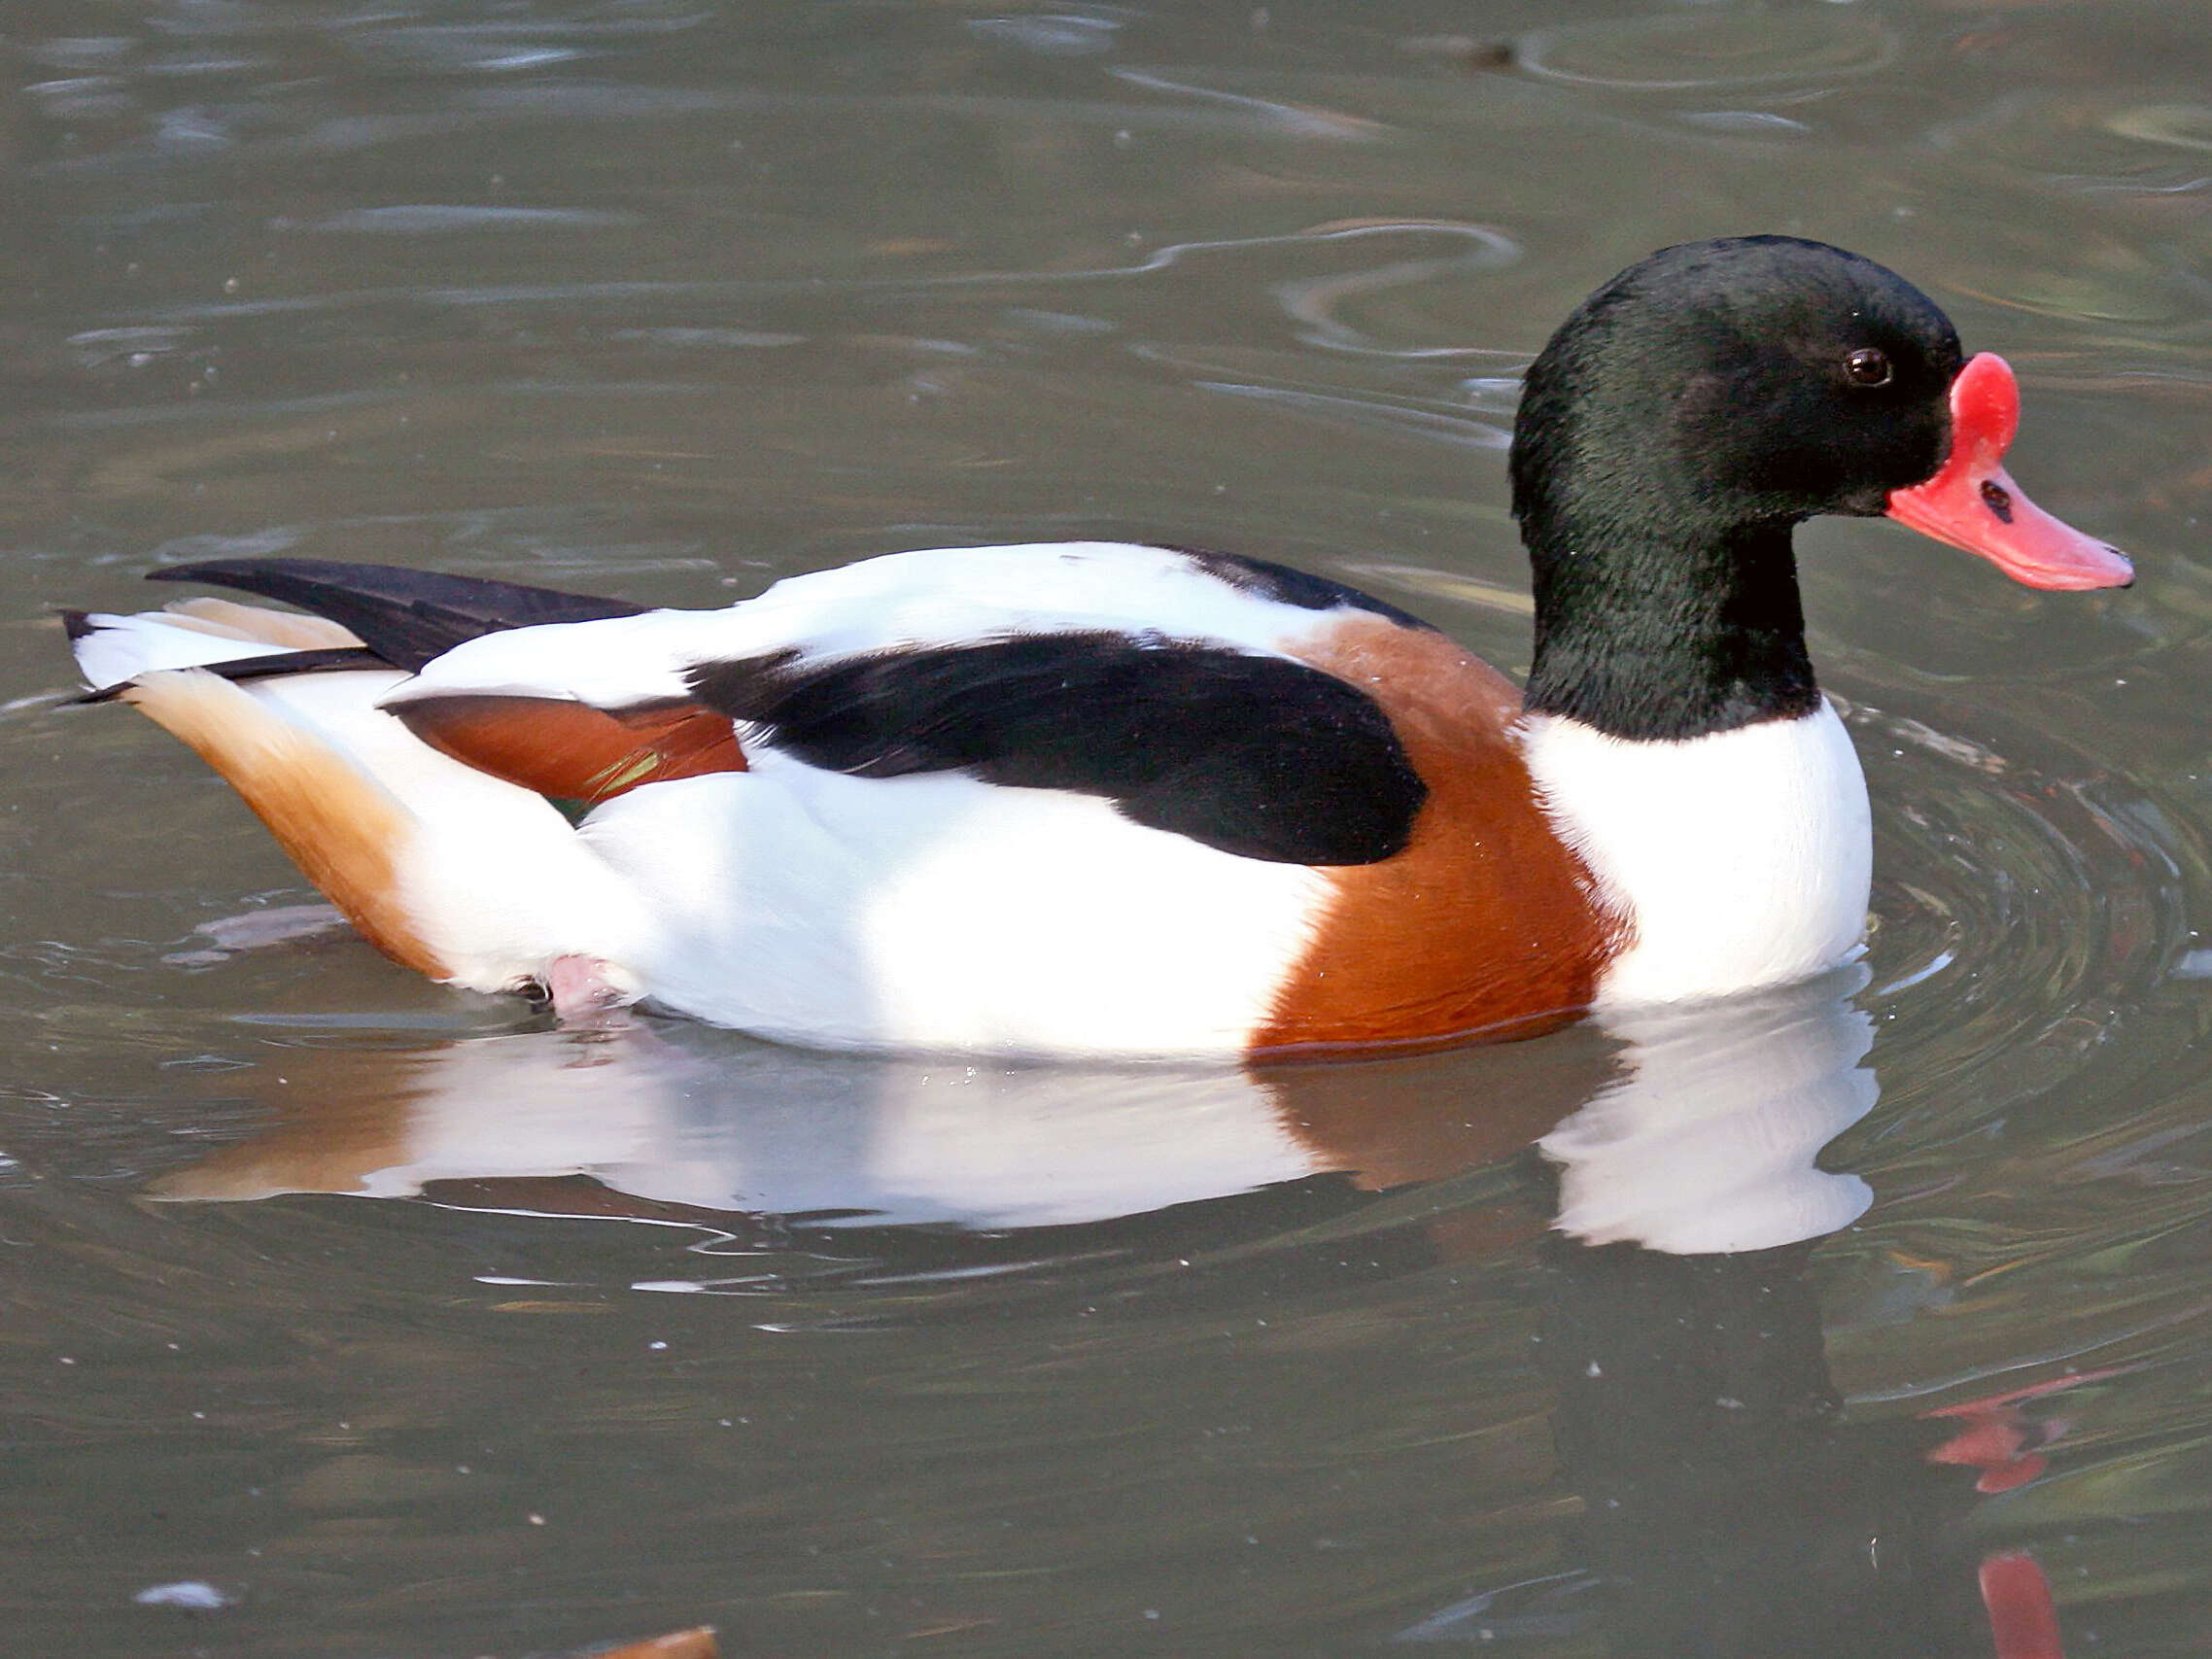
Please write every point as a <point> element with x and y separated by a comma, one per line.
<point>1706,401</point>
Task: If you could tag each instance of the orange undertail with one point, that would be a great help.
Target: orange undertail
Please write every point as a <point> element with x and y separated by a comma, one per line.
<point>345,831</point>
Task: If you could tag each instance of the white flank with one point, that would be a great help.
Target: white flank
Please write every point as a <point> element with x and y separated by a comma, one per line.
<point>937,913</point>
<point>1742,858</point>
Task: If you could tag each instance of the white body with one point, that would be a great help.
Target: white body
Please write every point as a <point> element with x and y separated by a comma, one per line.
<point>920,912</point>
<point>929,912</point>
<point>1742,859</point>
<point>935,912</point>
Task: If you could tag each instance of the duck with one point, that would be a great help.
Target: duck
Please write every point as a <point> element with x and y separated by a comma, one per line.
<point>1117,801</point>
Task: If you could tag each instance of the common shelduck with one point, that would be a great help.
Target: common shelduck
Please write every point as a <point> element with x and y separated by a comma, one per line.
<point>1103,799</point>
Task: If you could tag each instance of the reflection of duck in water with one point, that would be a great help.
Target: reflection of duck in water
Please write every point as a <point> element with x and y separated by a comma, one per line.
<point>1098,799</point>
<point>1731,1509</point>
<point>672,1120</point>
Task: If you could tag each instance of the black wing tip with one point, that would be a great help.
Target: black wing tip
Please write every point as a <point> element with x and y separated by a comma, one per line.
<point>406,616</point>
<point>179,572</point>
<point>307,581</point>
<point>221,572</point>
<point>208,570</point>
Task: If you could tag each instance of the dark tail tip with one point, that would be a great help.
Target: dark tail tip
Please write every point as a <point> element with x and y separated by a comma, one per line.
<point>405,616</point>
<point>220,573</point>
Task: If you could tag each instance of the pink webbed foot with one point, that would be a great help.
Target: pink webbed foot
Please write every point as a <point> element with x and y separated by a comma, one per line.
<point>586,994</point>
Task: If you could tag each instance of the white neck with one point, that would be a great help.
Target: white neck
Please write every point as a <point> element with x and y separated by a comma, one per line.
<point>1741,859</point>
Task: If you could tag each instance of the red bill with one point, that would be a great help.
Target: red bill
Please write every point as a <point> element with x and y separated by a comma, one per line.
<point>1972,501</point>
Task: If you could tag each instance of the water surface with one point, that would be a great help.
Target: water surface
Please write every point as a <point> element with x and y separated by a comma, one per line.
<point>858,1357</point>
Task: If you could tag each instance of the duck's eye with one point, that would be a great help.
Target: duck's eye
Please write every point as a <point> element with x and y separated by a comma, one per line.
<point>1868,365</point>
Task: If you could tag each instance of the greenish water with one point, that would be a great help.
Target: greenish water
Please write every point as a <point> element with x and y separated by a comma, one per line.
<point>852,1357</point>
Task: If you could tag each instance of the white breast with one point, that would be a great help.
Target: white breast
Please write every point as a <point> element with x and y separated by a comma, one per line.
<point>1742,858</point>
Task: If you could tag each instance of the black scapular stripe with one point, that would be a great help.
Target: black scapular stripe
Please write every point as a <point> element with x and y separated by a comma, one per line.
<point>1263,578</point>
<point>406,617</point>
<point>1256,756</point>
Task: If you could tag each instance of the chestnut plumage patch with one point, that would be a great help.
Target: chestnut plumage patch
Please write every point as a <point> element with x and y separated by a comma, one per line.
<point>571,750</point>
<point>1253,755</point>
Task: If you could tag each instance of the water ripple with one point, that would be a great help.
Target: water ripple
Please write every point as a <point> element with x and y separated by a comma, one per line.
<point>1713,47</point>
